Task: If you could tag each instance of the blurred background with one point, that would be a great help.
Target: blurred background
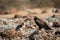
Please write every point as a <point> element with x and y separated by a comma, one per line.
<point>21,4</point>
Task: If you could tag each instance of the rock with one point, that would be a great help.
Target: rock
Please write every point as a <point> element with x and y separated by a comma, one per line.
<point>56,24</point>
<point>27,30</point>
<point>16,16</point>
<point>12,29</point>
<point>55,10</point>
<point>19,26</point>
<point>43,11</point>
<point>57,33</point>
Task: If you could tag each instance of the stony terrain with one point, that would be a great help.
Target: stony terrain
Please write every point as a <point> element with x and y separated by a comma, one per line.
<point>29,30</point>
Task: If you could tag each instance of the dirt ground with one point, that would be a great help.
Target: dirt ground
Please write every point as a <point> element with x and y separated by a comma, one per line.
<point>34,12</point>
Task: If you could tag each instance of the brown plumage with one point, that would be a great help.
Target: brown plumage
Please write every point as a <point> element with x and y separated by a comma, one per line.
<point>41,24</point>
